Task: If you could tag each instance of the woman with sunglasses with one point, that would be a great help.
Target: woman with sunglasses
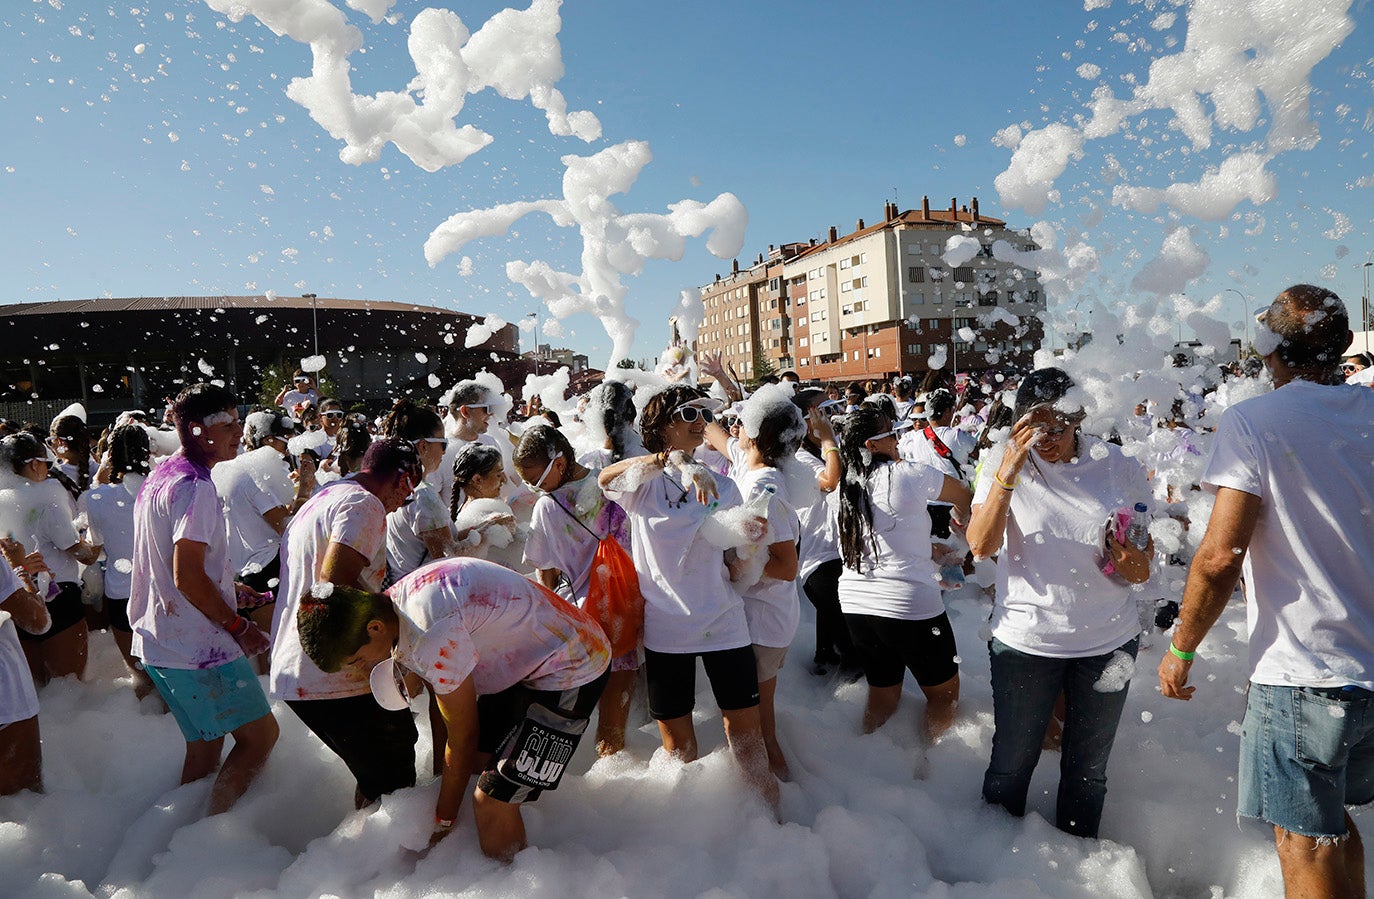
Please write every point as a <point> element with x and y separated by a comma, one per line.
<point>691,611</point>
<point>1059,624</point>
<point>70,442</point>
<point>420,530</point>
<point>889,588</point>
<point>569,520</point>
<point>36,510</point>
<point>760,451</point>
<point>484,525</point>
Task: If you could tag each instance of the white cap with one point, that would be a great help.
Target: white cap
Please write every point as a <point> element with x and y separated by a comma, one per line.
<point>387,687</point>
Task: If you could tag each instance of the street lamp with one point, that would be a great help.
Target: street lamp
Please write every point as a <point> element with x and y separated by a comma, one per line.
<point>535,316</point>
<point>1364,300</point>
<point>1245,322</point>
<point>314,320</point>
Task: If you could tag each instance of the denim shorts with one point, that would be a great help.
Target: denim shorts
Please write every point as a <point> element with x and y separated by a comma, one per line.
<point>1305,754</point>
<point>208,703</point>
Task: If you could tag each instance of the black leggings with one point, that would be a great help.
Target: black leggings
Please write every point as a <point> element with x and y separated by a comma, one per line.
<point>832,634</point>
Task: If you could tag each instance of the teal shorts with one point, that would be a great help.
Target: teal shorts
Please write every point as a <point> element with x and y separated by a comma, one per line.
<point>208,703</point>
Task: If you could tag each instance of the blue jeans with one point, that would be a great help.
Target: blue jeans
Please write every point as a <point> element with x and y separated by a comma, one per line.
<point>1024,690</point>
<point>1305,754</point>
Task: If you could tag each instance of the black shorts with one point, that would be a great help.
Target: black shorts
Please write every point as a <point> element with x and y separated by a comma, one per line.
<point>672,678</point>
<point>378,746</point>
<point>501,731</point>
<point>267,578</point>
<point>887,647</point>
<point>118,611</point>
<point>939,520</point>
<point>66,609</point>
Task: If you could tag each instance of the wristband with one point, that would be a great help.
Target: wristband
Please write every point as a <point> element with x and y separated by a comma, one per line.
<point>1178,653</point>
<point>444,823</point>
<point>830,449</point>
<point>1005,486</point>
<point>237,626</point>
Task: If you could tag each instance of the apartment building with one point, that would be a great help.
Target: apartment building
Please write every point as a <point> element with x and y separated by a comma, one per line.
<point>880,301</point>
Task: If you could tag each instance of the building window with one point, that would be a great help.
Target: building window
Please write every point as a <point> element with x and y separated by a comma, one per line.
<point>818,315</point>
<point>916,274</point>
<point>844,263</point>
<point>803,342</point>
<point>804,361</point>
<point>963,273</point>
<point>914,349</point>
<point>846,287</point>
<point>813,274</point>
<point>862,282</point>
<point>775,284</point>
<point>933,323</point>
<point>917,299</point>
<point>856,355</point>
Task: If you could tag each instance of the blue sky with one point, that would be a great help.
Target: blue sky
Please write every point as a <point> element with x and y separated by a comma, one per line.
<point>184,169</point>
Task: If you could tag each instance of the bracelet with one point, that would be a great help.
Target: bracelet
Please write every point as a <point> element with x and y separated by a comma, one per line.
<point>1178,653</point>
<point>1000,483</point>
<point>444,823</point>
<point>830,449</point>
<point>237,626</point>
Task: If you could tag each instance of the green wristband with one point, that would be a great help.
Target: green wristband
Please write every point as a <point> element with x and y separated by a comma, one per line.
<point>1185,656</point>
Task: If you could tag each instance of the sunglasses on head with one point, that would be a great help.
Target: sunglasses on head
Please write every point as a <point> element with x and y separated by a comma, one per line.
<point>690,414</point>
<point>443,441</point>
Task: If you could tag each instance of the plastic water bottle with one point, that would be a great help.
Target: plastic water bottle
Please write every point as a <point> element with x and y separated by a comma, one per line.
<point>1138,534</point>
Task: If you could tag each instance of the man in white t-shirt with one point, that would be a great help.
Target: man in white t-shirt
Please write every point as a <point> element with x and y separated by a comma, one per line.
<point>515,670</point>
<point>184,604</point>
<point>298,393</point>
<point>339,536</point>
<point>1293,473</point>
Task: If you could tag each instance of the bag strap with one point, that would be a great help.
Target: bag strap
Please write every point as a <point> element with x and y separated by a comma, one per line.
<point>575,518</point>
<point>943,451</point>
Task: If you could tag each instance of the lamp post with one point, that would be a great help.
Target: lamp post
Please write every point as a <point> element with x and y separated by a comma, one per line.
<point>535,316</point>
<point>1364,300</point>
<point>1245,322</point>
<point>314,320</point>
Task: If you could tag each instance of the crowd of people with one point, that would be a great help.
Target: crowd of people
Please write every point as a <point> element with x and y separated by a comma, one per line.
<point>515,576</point>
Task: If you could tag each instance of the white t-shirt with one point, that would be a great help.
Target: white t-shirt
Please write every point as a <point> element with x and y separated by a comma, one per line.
<point>689,605</point>
<point>41,514</point>
<point>1306,451</point>
<point>771,606</point>
<point>250,486</point>
<point>817,522</point>
<point>405,550</point>
<point>18,699</point>
<point>345,513</point>
<point>900,580</point>
<point>1052,598</point>
<point>915,446</point>
<point>466,616</point>
<point>557,541</point>
<point>294,398</point>
<point>70,470</point>
<point>178,502</point>
<point>109,510</point>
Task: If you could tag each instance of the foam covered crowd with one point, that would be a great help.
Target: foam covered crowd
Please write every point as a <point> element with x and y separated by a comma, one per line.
<point>503,578</point>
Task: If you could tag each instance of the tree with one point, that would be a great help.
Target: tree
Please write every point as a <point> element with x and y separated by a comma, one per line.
<point>763,367</point>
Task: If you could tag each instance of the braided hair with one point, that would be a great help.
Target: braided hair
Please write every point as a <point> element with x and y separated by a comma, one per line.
<point>856,507</point>
<point>130,451</point>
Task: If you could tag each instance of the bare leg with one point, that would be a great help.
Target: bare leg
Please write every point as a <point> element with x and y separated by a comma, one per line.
<point>941,702</point>
<point>253,743</point>
<point>202,758</point>
<point>500,829</point>
<point>438,733</point>
<point>768,723</point>
<point>613,711</point>
<point>882,703</point>
<point>679,738</point>
<point>142,685</point>
<point>1317,870</point>
<point>744,732</point>
<point>21,757</point>
<point>33,654</point>
<point>65,653</point>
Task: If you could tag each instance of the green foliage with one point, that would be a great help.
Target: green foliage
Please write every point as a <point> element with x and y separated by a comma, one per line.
<point>275,377</point>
